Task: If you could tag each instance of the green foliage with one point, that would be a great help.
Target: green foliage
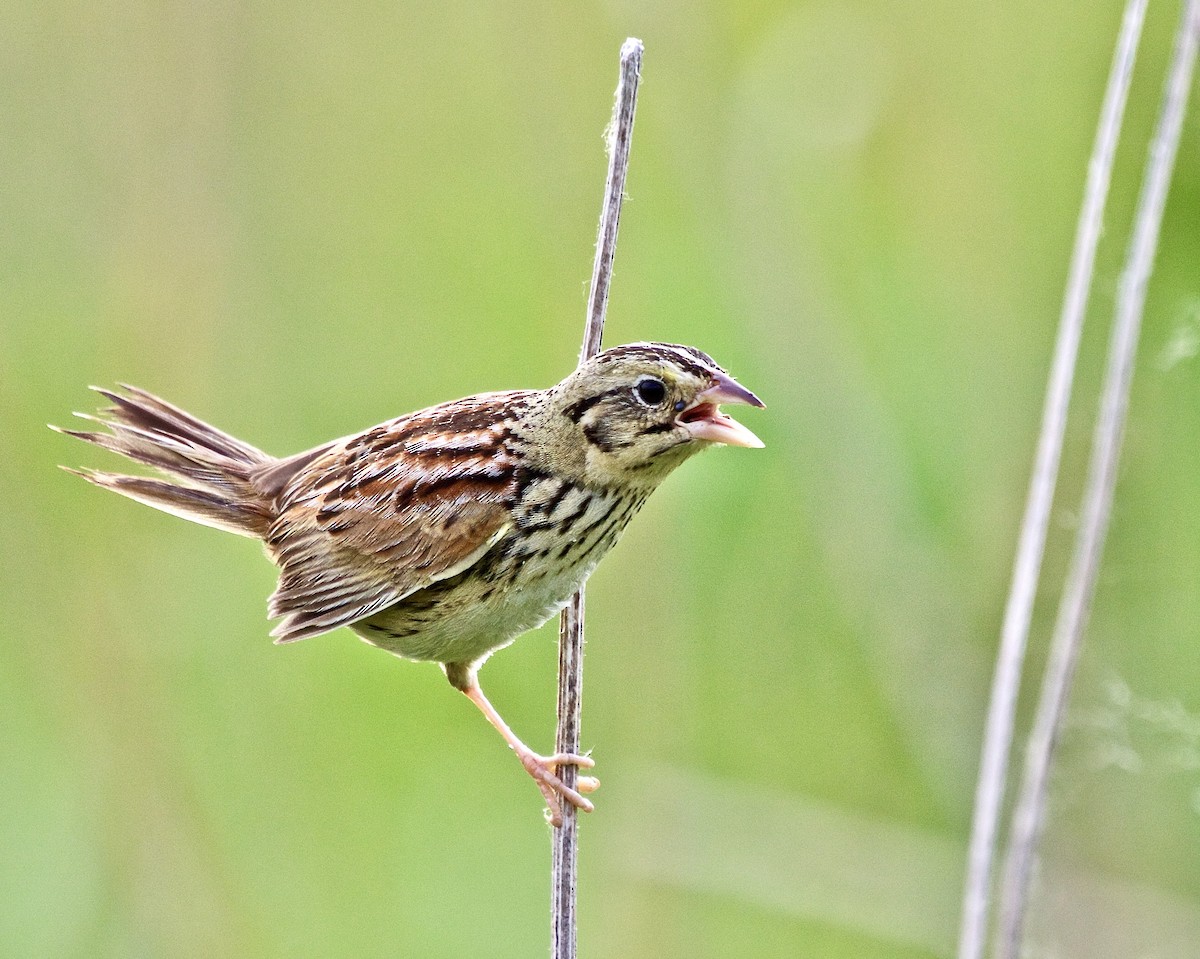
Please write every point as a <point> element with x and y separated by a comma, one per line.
<point>300,220</point>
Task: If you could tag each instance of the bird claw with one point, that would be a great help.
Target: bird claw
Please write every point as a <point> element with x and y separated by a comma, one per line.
<point>544,769</point>
<point>587,784</point>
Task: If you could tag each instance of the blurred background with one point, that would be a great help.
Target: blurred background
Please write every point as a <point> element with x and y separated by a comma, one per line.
<point>299,220</point>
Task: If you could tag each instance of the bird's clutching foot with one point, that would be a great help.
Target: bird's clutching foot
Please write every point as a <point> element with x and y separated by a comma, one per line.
<point>543,769</point>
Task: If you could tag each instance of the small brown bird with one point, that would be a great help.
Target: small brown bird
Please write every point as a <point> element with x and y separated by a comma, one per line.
<point>444,534</point>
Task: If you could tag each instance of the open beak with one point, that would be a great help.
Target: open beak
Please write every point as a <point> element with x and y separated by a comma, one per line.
<point>706,422</point>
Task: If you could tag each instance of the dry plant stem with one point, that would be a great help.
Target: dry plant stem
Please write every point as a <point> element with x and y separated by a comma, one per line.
<point>993,766</point>
<point>1098,495</point>
<point>570,640</point>
<point>565,839</point>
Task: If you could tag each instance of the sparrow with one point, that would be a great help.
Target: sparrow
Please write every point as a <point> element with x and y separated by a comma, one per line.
<point>444,534</point>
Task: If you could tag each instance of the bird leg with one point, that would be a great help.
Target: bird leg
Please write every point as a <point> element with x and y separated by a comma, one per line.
<point>543,769</point>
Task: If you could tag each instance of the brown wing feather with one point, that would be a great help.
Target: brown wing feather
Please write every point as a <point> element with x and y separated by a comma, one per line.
<point>391,511</point>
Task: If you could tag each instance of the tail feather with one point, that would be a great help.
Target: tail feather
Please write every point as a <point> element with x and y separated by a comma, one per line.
<point>196,464</point>
<point>210,470</point>
<point>196,505</point>
<point>148,412</point>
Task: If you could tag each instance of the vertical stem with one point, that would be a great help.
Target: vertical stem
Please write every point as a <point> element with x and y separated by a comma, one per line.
<point>570,639</point>
<point>993,764</point>
<point>564,853</point>
<point>1098,496</point>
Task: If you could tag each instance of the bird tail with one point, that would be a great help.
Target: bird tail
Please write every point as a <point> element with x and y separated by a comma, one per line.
<point>209,472</point>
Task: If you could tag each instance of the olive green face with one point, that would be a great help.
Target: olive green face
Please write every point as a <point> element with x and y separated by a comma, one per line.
<point>642,409</point>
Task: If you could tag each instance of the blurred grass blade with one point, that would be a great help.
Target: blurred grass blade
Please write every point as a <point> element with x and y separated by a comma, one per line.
<point>1098,495</point>
<point>993,766</point>
<point>799,858</point>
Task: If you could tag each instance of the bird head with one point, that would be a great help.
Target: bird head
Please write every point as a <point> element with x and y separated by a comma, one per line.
<point>633,413</point>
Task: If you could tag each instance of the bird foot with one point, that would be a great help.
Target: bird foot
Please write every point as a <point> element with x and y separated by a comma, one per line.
<point>544,770</point>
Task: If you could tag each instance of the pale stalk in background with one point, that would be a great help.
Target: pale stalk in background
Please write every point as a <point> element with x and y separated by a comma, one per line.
<point>570,640</point>
<point>1006,681</point>
<point>1098,495</point>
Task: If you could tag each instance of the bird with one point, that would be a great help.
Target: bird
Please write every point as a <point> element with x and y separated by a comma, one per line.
<point>446,533</point>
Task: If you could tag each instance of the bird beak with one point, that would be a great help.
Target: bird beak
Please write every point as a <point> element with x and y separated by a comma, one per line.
<point>706,422</point>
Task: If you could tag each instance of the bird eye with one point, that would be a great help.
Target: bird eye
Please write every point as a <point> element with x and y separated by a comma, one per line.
<point>650,391</point>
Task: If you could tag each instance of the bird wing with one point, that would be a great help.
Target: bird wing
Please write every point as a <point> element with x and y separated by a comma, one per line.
<point>388,512</point>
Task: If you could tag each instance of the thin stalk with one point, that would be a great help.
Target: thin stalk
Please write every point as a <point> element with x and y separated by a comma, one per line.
<point>570,640</point>
<point>993,766</point>
<point>1076,602</point>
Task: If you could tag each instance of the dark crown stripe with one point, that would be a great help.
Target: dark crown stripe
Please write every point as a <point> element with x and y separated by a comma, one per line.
<point>684,357</point>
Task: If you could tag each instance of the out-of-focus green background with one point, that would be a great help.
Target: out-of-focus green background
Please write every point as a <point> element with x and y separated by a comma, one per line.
<point>297,220</point>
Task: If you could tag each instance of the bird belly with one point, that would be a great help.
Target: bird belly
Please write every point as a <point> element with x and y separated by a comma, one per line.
<point>470,620</point>
<point>517,586</point>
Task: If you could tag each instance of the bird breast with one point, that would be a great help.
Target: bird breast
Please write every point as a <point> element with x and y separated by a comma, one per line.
<point>560,531</point>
